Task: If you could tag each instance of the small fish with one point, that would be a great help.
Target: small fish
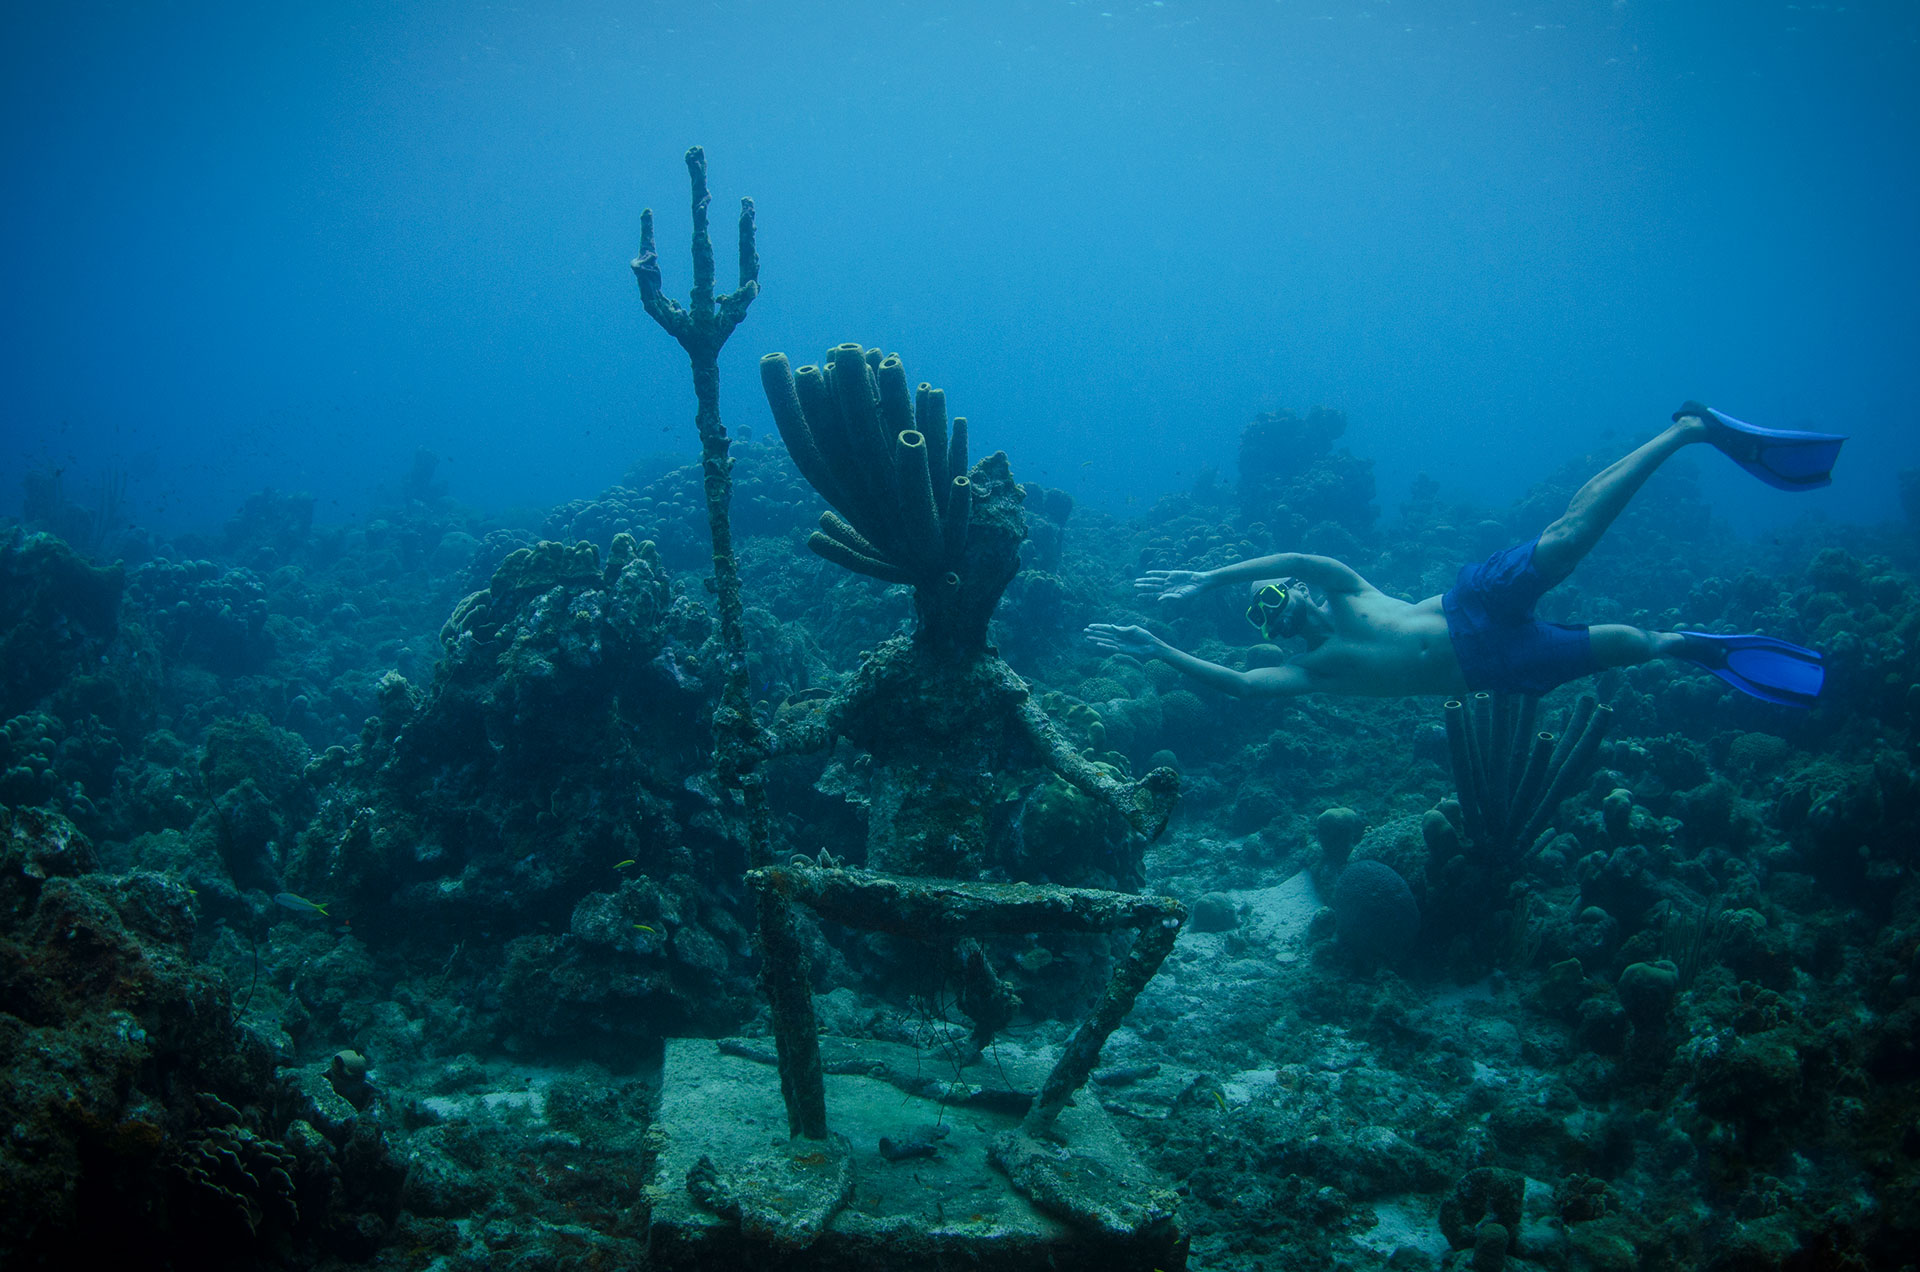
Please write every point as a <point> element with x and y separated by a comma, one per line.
<point>1219,1099</point>
<point>299,905</point>
<point>1086,463</point>
<point>644,928</point>
<point>622,865</point>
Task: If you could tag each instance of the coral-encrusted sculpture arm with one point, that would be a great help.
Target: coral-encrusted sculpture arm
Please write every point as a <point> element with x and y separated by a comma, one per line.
<point>732,307</point>
<point>1146,804</point>
<point>823,727</point>
<point>704,324</point>
<point>661,307</point>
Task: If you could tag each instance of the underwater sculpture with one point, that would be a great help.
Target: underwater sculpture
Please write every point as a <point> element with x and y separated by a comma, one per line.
<point>938,708</point>
<point>946,910</point>
<point>1083,1185</point>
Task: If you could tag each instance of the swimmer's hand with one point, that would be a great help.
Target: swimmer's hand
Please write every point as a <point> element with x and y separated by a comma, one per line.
<point>1171,585</point>
<point>1136,642</point>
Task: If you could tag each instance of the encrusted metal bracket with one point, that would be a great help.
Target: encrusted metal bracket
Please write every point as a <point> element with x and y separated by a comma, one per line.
<point>944,910</point>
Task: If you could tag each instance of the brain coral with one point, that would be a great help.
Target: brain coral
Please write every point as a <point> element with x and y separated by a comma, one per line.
<point>1374,911</point>
<point>1756,752</point>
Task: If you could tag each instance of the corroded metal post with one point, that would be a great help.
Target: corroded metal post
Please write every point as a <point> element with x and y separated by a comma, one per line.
<point>1082,1052</point>
<point>702,327</point>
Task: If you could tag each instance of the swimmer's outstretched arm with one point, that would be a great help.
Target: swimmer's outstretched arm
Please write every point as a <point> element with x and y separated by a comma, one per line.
<point>1262,682</point>
<point>1322,572</point>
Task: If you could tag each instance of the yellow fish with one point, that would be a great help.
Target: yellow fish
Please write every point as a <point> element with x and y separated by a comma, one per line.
<point>644,928</point>
<point>622,865</point>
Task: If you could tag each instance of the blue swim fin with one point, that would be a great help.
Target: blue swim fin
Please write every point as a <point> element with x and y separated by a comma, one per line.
<point>1771,670</point>
<point>1785,459</point>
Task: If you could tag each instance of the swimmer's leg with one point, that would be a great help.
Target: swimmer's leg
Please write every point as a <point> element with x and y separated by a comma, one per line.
<point>1619,645</point>
<point>1595,505</point>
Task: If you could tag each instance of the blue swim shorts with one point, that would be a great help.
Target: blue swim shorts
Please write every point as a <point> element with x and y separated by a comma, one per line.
<point>1501,646</point>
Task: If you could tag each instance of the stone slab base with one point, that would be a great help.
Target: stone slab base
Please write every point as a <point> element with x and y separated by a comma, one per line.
<point>950,1209</point>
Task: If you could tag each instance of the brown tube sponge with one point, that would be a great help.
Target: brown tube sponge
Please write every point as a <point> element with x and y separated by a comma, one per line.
<point>919,519</point>
<point>957,448</point>
<point>953,526</point>
<point>842,555</point>
<point>930,417</point>
<point>896,403</point>
<point>776,378</point>
<point>835,528</point>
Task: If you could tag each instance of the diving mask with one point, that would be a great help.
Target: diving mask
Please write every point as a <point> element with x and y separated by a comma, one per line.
<point>1269,610</point>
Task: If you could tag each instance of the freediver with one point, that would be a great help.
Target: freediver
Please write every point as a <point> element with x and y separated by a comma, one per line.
<point>1482,634</point>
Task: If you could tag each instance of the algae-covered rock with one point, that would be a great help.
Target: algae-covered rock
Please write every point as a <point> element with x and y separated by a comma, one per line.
<point>1338,830</point>
<point>37,845</point>
<point>1486,1194</point>
<point>1561,988</point>
<point>1214,912</point>
<point>786,1197</point>
<point>1748,1080</point>
<point>1647,992</point>
<point>1265,655</point>
<point>1090,1194</point>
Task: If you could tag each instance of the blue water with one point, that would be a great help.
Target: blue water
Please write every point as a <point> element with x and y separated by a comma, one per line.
<point>284,246</point>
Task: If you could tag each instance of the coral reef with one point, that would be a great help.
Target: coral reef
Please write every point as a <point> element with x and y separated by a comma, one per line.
<point>132,1088</point>
<point>61,612</point>
<point>1292,480</point>
<point>1684,1015</point>
<point>352,877</point>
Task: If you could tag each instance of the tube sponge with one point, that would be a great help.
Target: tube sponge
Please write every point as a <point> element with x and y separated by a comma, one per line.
<point>957,448</point>
<point>1512,778</point>
<point>896,406</point>
<point>840,554</point>
<point>776,377</point>
<point>919,519</point>
<point>930,417</point>
<point>959,513</point>
<point>882,454</point>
